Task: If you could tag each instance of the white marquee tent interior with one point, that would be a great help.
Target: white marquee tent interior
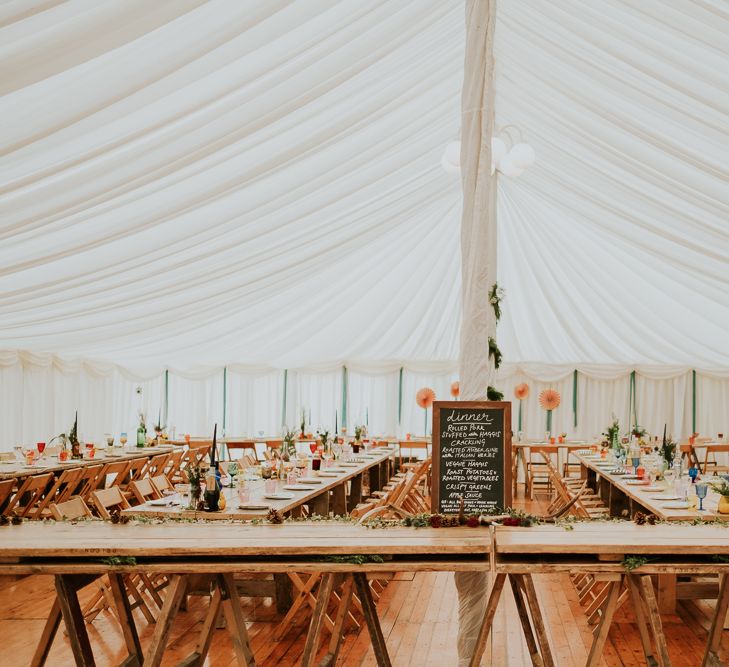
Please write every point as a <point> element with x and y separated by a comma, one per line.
<point>226,204</point>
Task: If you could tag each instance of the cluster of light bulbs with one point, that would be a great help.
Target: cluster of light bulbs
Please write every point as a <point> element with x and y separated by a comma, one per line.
<point>512,161</point>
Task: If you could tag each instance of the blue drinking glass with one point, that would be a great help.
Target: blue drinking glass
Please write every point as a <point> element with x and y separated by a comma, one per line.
<point>693,473</point>
<point>701,491</point>
<point>635,460</point>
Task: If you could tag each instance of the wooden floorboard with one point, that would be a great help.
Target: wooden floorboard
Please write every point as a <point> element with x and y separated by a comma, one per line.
<point>419,615</point>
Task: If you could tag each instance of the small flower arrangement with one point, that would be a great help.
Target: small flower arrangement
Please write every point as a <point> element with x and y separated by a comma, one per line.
<point>289,442</point>
<point>323,436</point>
<point>611,433</point>
<point>722,487</point>
<point>668,451</point>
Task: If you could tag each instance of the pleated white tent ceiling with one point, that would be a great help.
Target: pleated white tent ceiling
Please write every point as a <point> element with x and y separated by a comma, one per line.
<point>202,183</point>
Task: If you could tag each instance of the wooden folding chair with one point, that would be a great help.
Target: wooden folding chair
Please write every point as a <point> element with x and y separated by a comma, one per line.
<point>244,445</point>
<point>536,475</point>
<point>136,470</point>
<point>74,508</point>
<point>29,494</point>
<point>710,459</point>
<point>196,453</point>
<point>162,483</point>
<point>107,500</point>
<point>172,467</point>
<point>6,491</point>
<point>89,480</point>
<point>410,445</point>
<point>143,490</point>
<point>155,465</point>
<point>689,453</point>
<point>60,491</point>
<point>119,470</point>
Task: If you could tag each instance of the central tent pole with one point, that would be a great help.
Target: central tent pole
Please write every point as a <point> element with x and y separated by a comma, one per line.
<point>478,263</point>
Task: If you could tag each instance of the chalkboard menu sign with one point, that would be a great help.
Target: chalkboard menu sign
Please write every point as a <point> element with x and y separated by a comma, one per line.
<point>471,456</point>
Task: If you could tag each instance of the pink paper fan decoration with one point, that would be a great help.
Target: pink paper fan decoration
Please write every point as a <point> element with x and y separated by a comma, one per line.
<point>425,397</point>
<point>455,389</point>
<point>549,399</point>
<point>521,391</point>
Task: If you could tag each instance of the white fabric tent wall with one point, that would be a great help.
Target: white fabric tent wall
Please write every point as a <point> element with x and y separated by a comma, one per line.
<point>39,394</point>
<point>373,399</point>
<point>318,394</point>
<point>254,401</point>
<point>195,402</point>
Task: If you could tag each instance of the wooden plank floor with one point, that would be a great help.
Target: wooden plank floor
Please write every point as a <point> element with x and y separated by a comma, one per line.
<point>419,620</point>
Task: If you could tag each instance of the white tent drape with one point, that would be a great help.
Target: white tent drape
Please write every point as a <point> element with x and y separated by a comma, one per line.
<point>39,394</point>
<point>373,400</point>
<point>195,402</point>
<point>259,183</point>
<point>254,401</point>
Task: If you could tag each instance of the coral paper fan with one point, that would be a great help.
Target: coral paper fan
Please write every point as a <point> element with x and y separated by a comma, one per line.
<point>425,397</point>
<point>521,391</point>
<point>549,399</point>
<point>455,389</point>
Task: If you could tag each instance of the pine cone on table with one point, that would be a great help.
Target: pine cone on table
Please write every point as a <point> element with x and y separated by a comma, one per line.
<point>274,516</point>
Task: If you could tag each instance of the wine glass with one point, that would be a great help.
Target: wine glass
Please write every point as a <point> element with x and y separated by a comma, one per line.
<point>693,473</point>
<point>635,461</point>
<point>109,440</point>
<point>232,472</point>
<point>702,489</point>
<point>313,447</point>
<point>123,438</point>
<point>327,456</point>
<point>41,447</point>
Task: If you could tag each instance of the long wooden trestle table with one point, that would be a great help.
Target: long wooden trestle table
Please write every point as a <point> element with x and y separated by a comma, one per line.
<point>338,492</point>
<point>77,554</point>
<point>50,463</point>
<point>623,497</point>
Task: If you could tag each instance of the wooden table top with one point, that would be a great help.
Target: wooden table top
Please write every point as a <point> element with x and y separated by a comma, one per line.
<point>102,538</point>
<point>96,538</point>
<point>549,445</point>
<point>11,469</point>
<point>647,500</point>
<point>300,497</point>
<point>614,537</point>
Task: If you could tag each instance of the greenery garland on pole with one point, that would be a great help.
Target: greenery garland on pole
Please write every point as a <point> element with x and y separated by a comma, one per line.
<point>496,295</point>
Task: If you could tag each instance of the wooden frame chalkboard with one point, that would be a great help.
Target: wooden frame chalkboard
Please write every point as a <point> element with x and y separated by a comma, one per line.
<point>471,440</point>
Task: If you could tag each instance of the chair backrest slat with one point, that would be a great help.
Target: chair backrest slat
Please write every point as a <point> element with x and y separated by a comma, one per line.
<point>74,508</point>
<point>143,490</point>
<point>109,499</point>
<point>30,493</point>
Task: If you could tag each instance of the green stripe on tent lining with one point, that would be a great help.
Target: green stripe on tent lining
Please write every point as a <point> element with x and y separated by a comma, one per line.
<point>225,396</point>
<point>693,401</point>
<point>345,391</point>
<point>632,411</point>
<point>167,395</point>
<point>285,389</point>
<point>399,400</point>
